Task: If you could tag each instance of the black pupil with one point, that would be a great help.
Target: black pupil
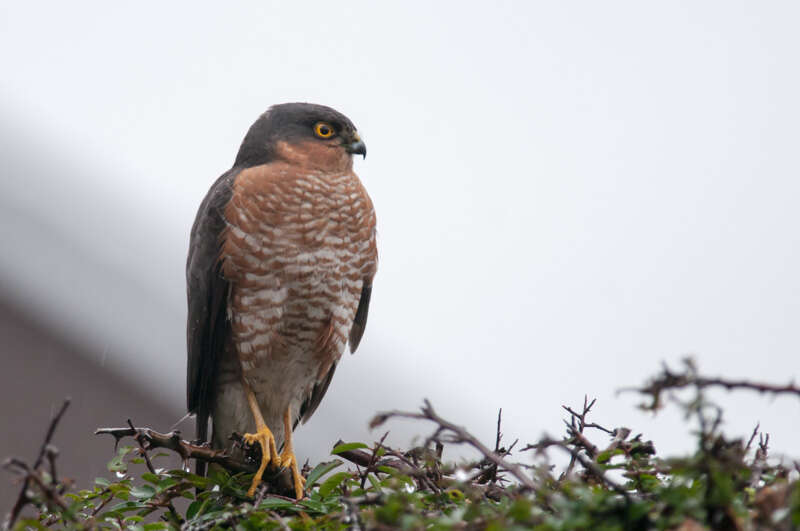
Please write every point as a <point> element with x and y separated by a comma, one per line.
<point>324,131</point>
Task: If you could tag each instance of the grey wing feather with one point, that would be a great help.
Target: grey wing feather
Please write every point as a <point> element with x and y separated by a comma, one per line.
<point>208,328</point>
<point>360,321</point>
<point>312,402</point>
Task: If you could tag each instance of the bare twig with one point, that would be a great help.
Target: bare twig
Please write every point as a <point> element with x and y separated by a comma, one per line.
<point>22,498</point>
<point>487,469</point>
<point>490,475</point>
<point>499,435</point>
<point>752,437</point>
<point>103,501</point>
<point>669,379</point>
<point>51,453</point>
<point>371,466</point>
<point>789,388</point>
<point>588,464</point>
<point>364,459</point>
<point>428,477</point>
<point>575,427</point>
<point>49,488</point>
<point>759,460</point>
<point>457,435</point>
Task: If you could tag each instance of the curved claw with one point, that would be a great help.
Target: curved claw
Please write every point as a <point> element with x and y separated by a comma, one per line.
<point>288,459</point>
<point>269,454</point>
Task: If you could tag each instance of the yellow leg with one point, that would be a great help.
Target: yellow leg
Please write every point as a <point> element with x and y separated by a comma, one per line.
<point>264,437</point>
<point>287,455</point>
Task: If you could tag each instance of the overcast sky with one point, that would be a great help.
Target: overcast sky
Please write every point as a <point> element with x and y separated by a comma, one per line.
<point>568,194</point>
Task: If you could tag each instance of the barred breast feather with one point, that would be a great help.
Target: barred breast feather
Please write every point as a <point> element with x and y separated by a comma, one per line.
<point>299,252</point>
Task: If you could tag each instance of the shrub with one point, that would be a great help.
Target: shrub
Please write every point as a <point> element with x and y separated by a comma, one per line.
<point>621,483</point>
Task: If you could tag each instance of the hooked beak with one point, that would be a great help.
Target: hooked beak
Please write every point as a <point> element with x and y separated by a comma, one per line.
<point>357,147</point>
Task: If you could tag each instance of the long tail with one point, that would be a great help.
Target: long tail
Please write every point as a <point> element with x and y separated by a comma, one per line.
<point>202,435</point>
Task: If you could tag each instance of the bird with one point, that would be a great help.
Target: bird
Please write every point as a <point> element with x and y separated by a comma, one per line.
<point>282,255</point>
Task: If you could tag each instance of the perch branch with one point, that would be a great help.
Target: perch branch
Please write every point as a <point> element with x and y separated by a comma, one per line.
<point>149,439</point>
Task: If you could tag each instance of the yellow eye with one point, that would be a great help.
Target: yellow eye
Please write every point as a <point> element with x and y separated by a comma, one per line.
<point>324,130</point>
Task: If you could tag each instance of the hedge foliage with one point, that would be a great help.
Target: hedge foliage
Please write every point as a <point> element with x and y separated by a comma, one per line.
<point>613,480</point>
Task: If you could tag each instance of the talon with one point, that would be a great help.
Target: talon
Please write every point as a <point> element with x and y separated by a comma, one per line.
<point>288,459</point>
<point>269,454</point>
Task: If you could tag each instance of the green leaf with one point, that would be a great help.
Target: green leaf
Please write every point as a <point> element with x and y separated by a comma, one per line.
<point>120,490</point>
<point>320,470</point>
<point>144,491</point>
<point>314,506</point>
<point>270,503</point>
<point>29,523</point>
<point>345,447</point>
<point>200,482</point>
<point>167,483</point>
<point>374,482</point>
<point>103,482</point>
<point>393,472</point>
<point>520,510</point>
<point>332,482</point>
<point>194,507</point>
<point>117,464</point>
<point>150,477</point>
<point>605,457</point>
<point>219,476</point>
<point>127,506</point>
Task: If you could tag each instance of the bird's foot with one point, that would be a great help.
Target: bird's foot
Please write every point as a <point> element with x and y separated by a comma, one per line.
<point>269,453</point>
<point>288,459</point>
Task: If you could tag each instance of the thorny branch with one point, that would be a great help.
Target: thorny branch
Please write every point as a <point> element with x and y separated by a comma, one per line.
<point>49,490</point>
<point>150,439</point>
<point>487,472</point>
<point>689,377</point>
<point>424,466</point>
<point>760,459</point>
<point>392,459</point>
<point>427,474</point>
<point>575,444</point>
<point>32,474</point>
<point>588,464</point>
<point>575,427</point>
<point>752,437</point>
<point>371,466</point>
<point>447,432</point>
<point>143,452</point>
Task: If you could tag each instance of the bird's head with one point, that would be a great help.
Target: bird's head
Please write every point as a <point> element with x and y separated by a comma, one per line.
<point>302,133</point>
